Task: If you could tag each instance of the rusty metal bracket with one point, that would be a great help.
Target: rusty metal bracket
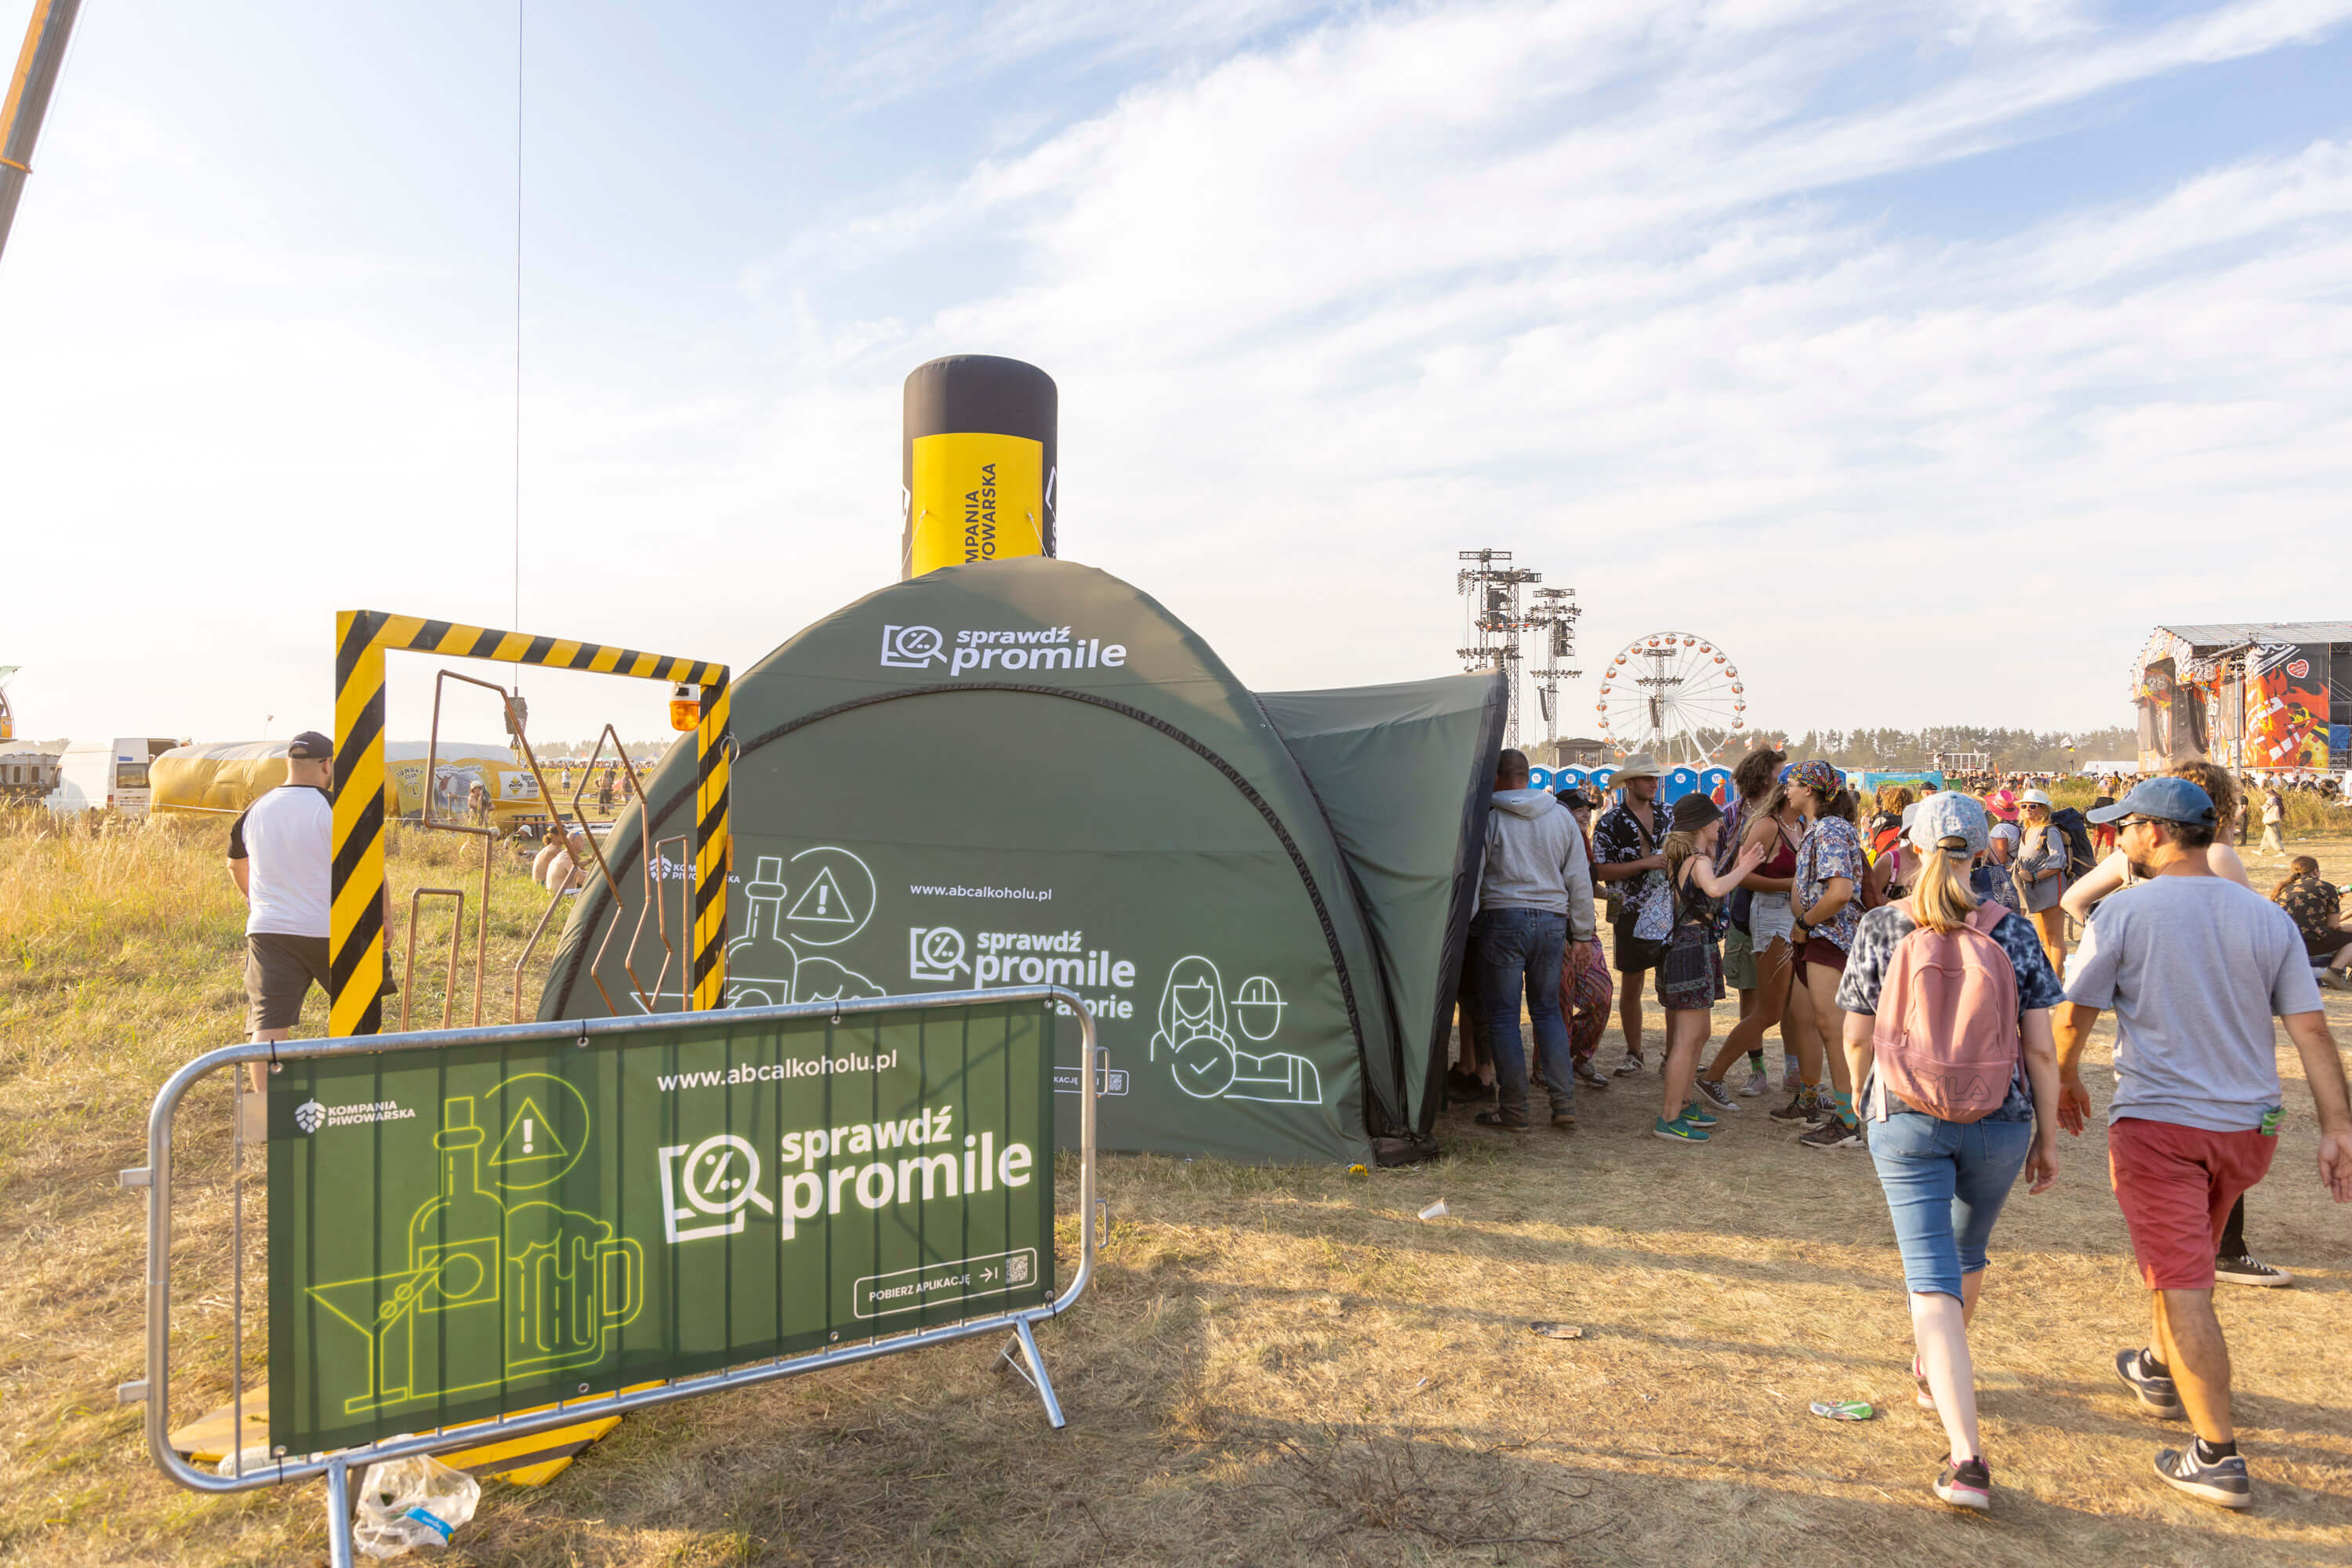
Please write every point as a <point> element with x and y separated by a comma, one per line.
<point>456,939</point>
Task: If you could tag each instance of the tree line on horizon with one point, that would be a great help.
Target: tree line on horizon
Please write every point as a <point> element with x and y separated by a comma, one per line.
<point>2008,751</point>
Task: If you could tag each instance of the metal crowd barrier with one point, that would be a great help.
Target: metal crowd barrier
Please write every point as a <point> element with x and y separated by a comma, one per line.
<point>339,1466</point>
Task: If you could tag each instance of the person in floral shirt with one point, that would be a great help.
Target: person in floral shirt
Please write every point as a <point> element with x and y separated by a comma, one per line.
<point>2318,910</point>
<point>1826,903</point>
<point>1627,857</point>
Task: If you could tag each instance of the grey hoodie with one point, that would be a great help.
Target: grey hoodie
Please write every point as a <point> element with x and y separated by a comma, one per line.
<point>1536,860</point>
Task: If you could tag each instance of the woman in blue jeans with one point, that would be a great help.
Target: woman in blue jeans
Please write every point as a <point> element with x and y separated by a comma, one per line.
<point>1945,1181</point>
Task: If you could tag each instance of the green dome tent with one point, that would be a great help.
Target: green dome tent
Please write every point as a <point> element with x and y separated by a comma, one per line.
<point>1027,770</point>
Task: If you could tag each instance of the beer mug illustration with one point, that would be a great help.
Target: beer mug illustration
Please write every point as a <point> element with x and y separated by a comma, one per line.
<point>571,1280</point>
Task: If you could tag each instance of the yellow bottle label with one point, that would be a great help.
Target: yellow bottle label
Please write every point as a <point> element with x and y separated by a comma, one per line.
<point>976,498</point>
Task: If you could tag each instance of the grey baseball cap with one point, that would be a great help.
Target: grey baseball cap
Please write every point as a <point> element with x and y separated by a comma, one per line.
<point>1946,815</point>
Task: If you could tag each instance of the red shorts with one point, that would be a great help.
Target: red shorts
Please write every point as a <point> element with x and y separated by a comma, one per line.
<point>2176,1187</point>
<point>1819,953</point>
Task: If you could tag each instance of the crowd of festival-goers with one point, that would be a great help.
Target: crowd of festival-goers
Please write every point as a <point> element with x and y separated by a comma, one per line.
<point>1918,953</point>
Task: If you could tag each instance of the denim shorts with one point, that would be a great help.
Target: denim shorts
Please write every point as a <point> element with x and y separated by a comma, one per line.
<point>1946,1182</point>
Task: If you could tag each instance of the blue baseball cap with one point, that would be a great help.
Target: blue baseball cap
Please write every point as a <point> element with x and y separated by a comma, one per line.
<point>1948,814</point>
<point>2165,799</point>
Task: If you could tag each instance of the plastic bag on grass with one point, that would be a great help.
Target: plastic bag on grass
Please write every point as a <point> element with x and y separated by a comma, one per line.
<point>412,1502</point>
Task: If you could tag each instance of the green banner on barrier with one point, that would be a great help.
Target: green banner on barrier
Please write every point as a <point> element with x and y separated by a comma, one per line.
<point>461,1232</point>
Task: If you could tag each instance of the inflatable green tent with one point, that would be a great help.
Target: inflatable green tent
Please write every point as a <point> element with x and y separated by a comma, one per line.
<point>1027,770</point>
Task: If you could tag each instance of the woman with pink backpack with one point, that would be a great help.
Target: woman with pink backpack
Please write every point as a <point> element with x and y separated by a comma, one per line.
<point>1946,1002</point>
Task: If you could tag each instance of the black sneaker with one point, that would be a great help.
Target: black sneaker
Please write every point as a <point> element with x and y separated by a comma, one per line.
<point>1799,1109</point>
<point>2224,1482</point>
<point>2243,1270</point>
<point>1717,1097</point>
<point>1966,1484</point>
<point>2158,1394</point>
<point>1833,1134</point>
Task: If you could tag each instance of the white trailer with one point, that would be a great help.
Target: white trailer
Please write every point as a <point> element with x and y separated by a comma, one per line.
<point>106,776</point>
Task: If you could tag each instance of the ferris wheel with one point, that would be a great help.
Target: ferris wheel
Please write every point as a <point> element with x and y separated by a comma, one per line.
<point>1677,697</point>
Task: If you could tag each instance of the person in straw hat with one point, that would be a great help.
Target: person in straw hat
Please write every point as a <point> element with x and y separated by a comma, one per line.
<point>1628,856</point>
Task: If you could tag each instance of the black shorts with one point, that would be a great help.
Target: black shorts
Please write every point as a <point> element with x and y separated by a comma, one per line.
<point>278,970</point>
<point>1631,954</point>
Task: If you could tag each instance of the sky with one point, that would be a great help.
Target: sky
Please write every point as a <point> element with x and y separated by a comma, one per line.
<point>1921,353</point>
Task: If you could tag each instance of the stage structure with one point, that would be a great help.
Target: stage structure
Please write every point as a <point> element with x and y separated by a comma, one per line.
<point>1677,697</point>
<point>2253,696</point>
<point>1500,617</point>
<point>1554,624</point>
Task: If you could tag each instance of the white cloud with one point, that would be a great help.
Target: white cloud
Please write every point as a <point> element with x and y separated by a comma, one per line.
<point>1577,279</point>
<point>1564,280</point>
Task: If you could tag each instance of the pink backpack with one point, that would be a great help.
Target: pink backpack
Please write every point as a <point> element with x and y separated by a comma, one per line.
<point>1947,1031</point>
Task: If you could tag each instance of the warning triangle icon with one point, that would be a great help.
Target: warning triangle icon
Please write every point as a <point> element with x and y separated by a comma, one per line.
<point>823,902</point>
<point>529,1137</point>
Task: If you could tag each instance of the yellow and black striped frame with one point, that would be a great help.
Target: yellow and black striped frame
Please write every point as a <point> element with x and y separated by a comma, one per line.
<point>355,924</point>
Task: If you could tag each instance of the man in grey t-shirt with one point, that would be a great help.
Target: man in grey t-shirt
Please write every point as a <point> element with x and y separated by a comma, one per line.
<point>2195,967</point>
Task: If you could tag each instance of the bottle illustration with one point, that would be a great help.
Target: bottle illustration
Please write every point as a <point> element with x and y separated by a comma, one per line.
<point>461,1235</point>
<point>491,1292</point>
<point>765,969</point>
<point>761,963</point>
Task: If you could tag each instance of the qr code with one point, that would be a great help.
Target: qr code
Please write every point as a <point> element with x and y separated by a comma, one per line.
<point>1016,1269</point>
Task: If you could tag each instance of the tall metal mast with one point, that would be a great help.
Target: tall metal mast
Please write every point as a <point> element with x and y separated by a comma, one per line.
<point>1553,617</point>
<point>29,88</point>
<point>1496,620</point>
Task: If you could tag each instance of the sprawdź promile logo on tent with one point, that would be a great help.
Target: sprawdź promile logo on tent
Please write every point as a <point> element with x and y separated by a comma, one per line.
<point>1048,647</point>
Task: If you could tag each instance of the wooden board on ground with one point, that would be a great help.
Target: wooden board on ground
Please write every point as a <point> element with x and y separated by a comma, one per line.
<point>531,1461</point>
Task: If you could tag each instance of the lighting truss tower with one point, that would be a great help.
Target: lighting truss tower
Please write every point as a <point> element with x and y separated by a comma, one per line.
<point>1552,618</point>
<point>1490,588</point>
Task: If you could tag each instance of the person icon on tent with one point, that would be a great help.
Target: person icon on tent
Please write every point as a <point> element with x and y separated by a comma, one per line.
<point>1196,1037</point>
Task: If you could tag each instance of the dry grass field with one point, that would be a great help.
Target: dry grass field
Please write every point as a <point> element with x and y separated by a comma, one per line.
<point>1276,1366</point>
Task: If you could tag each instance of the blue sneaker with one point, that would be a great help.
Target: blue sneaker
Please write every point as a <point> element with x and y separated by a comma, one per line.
<point>1678,1130</point>
<point>1698,1115</point>
<point>2224,1483</point>
<point>2160,1394</point>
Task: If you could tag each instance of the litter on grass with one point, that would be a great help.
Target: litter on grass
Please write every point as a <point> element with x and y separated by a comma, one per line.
<point>1435,1211</point>
<point>412,1502</point>
<point>1556,1330</point>
<point>1844,1409</point>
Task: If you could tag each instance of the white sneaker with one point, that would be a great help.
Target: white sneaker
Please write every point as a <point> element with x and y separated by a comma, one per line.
<point>1756,1083</point>
<point>1631,1065</point>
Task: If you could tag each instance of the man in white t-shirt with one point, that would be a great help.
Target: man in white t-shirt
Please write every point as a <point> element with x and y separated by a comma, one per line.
<point>280,855</point>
